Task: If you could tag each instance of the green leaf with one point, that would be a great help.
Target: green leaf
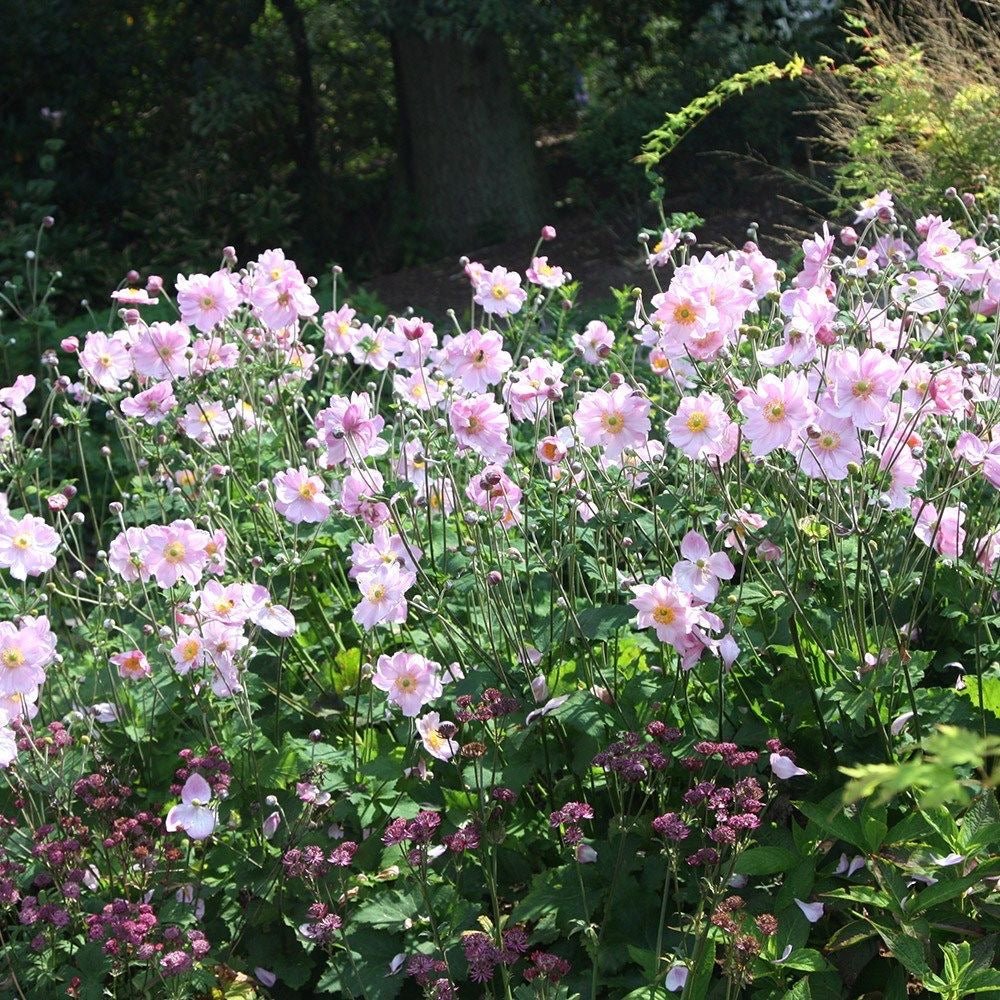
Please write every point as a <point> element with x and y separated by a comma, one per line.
<point>800,991</point>
<point>805,960</point>
<point>604,622</point>
<point>765,861</point>
<point>390,909</point>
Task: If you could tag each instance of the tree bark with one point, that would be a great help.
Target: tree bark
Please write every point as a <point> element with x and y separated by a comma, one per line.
<point>466,146</point>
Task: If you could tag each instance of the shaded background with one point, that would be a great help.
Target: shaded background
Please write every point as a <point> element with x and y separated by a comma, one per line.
<point>383,134</point>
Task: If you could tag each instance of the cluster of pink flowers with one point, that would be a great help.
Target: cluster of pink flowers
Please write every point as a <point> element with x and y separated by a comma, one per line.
<point>27,648</point>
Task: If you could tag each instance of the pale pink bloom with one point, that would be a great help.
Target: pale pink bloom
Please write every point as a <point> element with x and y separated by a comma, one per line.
<point>701,569</point>
<point>614,420</point>
<point>229,603</point>
<point>349,430</point>
<point>187,652</point>
<point>19,704</point>
<point>410,680</point>
<point>221,643</point>
<point>8,744</point>
<point>493,490</point>
<point>105,360</point>
<point>595,343</point>
<point>530,388</point>
<point>942,531</point>
<point>299,497</point>
<point>776,411</point>
<point>904,473</point>
<point>206,300</point>
<point>269,828</point>
<point>828,454</point>
<point>947,391</point>
<point>699,425</point>
<point>763,269</point>
<point>193,815</point>
<point>273,265</point>
<point>176,552</point>
<point>811,911</point>
<point>439,495</point>
<point>987,550</point>
<point>551,450</point>
<point>27,546</point>
<point>677,977</point>
<point>476,360</point>
<point>663,606</point>
<point>339,333</point>
<point>132,665</point>
<point>817,251</point>
<point>411,464</point>
<point>429,731</point>
<point>383,550</point>
<point>128,555</point>
<point>215,551</point>
<point>25,651</point>
<point>784,767</point>
<point>741,523</point>
<point>660,251</point>
<point>161,351</point>
<point>810,318</point>
<point>133,297</point>
<point>479,423</point>
<point>861,262</point>
<point>265,614</point>
<point>417,342</point>
<point>878,206</point>
<point>475,272</point>
<point>862,386</point>
<point>684,315</point>
<point>357,496</point>
<point>207,422</point>
<point>917,292</point>
<point>420,389</point>
<point>971,448</point>
<point>13,397</point>
<point>383,596</point>
<point>151,405</point>
<point>546,275</point>
<point>680,371</point>
<point>280,303</point>
<point>942,253</point>
<point>499,292</point>
<point>226,680</point>
<point>213,354</point>
<point>375,348</point>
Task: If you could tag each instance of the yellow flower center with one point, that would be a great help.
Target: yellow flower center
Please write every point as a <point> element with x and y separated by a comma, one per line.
<point>12,658</point>
<point>22,541</point>
<point>664,615</point>
<point>377,593</point>
<point>697,422</point>
<point>174,552</point>
<point>684,314</point>
<point>307,491</point>
<point>613,423</point>
<point>774,412</point>
<point>499,292</point>
<point>862,389</point>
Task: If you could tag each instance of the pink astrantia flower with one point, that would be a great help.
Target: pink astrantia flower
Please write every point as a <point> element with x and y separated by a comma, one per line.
<point>299,497</point>
<point>546,275</point>
<point>193,814</point>
<point>206,300</point>
<point>409,679</point>
<point>27,546</point>
<point>499,292</point>
<point>436,744</point>
<point>942,531</point>
<point>827,453</point>
<point>776,411</point>
<point>106,360</point>
<point>701,569</point>
<point>664,607</point>
<point>613,420</point>
<point>699,425</point>
<point>176,552</point>
<point>132,665</point>
<point>595,343</point>
<point>383,596</point>
<point>152,405</point>
<point>479,423</point>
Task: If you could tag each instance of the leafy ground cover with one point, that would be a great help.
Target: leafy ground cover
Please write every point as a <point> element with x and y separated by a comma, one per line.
<point>528,654</point>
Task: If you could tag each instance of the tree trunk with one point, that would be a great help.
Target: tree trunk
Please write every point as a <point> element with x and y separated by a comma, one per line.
<point>466,145</point>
